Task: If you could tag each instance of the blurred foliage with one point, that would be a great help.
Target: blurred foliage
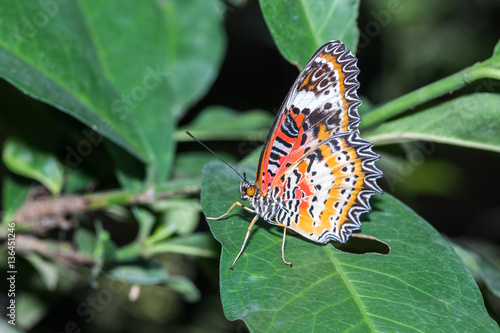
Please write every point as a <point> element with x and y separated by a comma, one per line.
<point>109,227</point>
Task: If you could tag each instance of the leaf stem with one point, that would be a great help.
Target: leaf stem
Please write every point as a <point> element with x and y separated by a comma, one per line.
<point>486,69</point>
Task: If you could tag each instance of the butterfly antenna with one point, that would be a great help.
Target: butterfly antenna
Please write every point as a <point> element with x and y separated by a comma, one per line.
<point>220,158</point>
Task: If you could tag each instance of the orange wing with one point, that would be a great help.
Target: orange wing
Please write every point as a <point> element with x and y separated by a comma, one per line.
<point>322,102</point>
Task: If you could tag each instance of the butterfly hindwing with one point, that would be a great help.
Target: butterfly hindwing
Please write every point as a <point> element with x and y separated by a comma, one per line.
<point>322,102</point>
<point>324,192</point>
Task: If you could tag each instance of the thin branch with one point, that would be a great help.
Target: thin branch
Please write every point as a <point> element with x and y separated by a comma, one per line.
<point>62,252</point>
<point>53,211</point>
<point>485,69</point>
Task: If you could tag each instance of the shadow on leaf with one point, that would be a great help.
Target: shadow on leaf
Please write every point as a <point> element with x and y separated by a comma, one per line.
<point>362,244</point>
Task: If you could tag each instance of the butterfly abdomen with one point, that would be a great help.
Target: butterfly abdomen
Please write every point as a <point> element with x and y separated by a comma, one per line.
<point>265,206</point>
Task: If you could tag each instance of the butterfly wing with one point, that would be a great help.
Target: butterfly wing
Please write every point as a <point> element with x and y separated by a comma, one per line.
<point>321,103</point>
<point>325,191</point>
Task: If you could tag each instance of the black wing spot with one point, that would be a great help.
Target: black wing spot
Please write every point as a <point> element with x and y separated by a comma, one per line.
<point>298,175</point>
<point>276,164</point>
<point>283,142</point>
<point>311,211</point>
<point>274,156</point>
<point>303,139</point>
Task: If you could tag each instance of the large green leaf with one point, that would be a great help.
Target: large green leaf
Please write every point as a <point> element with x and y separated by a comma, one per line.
<point>421,286</point>
<point>469,121</point>
<point>299,28</point>
<point>123,68</point>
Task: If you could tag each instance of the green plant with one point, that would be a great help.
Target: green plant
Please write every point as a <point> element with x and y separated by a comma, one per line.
<point>129,73</point>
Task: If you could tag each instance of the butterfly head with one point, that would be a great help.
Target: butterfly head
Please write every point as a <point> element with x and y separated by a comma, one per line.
<point>247,190</point>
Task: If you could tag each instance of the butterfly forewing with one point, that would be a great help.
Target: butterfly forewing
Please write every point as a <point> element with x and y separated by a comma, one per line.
<point>321,103</point>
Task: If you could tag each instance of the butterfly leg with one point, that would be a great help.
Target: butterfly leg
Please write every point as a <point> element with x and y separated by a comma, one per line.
<point>246,238</point>
<point>234,205</point>
<point>289,264</point>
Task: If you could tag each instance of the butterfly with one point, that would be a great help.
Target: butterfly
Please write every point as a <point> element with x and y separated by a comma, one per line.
<point>315,174</point>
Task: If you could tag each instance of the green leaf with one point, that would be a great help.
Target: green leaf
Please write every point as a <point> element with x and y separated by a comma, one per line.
<point>299,28</point>
<point>15,191</point>
<point>496,50</point>
<point>140,271</point>
<point>128,170</point>
<point>188,165</point>
<point>422,285</point>
<point>30,310</point>
<point>469,121</point>
<point>145,219</point>
<point>31,162</point>
<point>8,328</point>
<point>185,287</point>
<point>181,215</point>
<point>57,63</point>
<point>128,75</point>
<point>77,180</point>
<point>104,250</point>
<point>198,244</point>
<point>221,123</point>
<point>48,270</point>
<point>481,267</point>
<point>488,69</point>
<point>149,272</point>
<point>85,241</point>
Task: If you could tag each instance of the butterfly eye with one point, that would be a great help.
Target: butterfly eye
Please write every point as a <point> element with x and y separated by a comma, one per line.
<point>251,191</point>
